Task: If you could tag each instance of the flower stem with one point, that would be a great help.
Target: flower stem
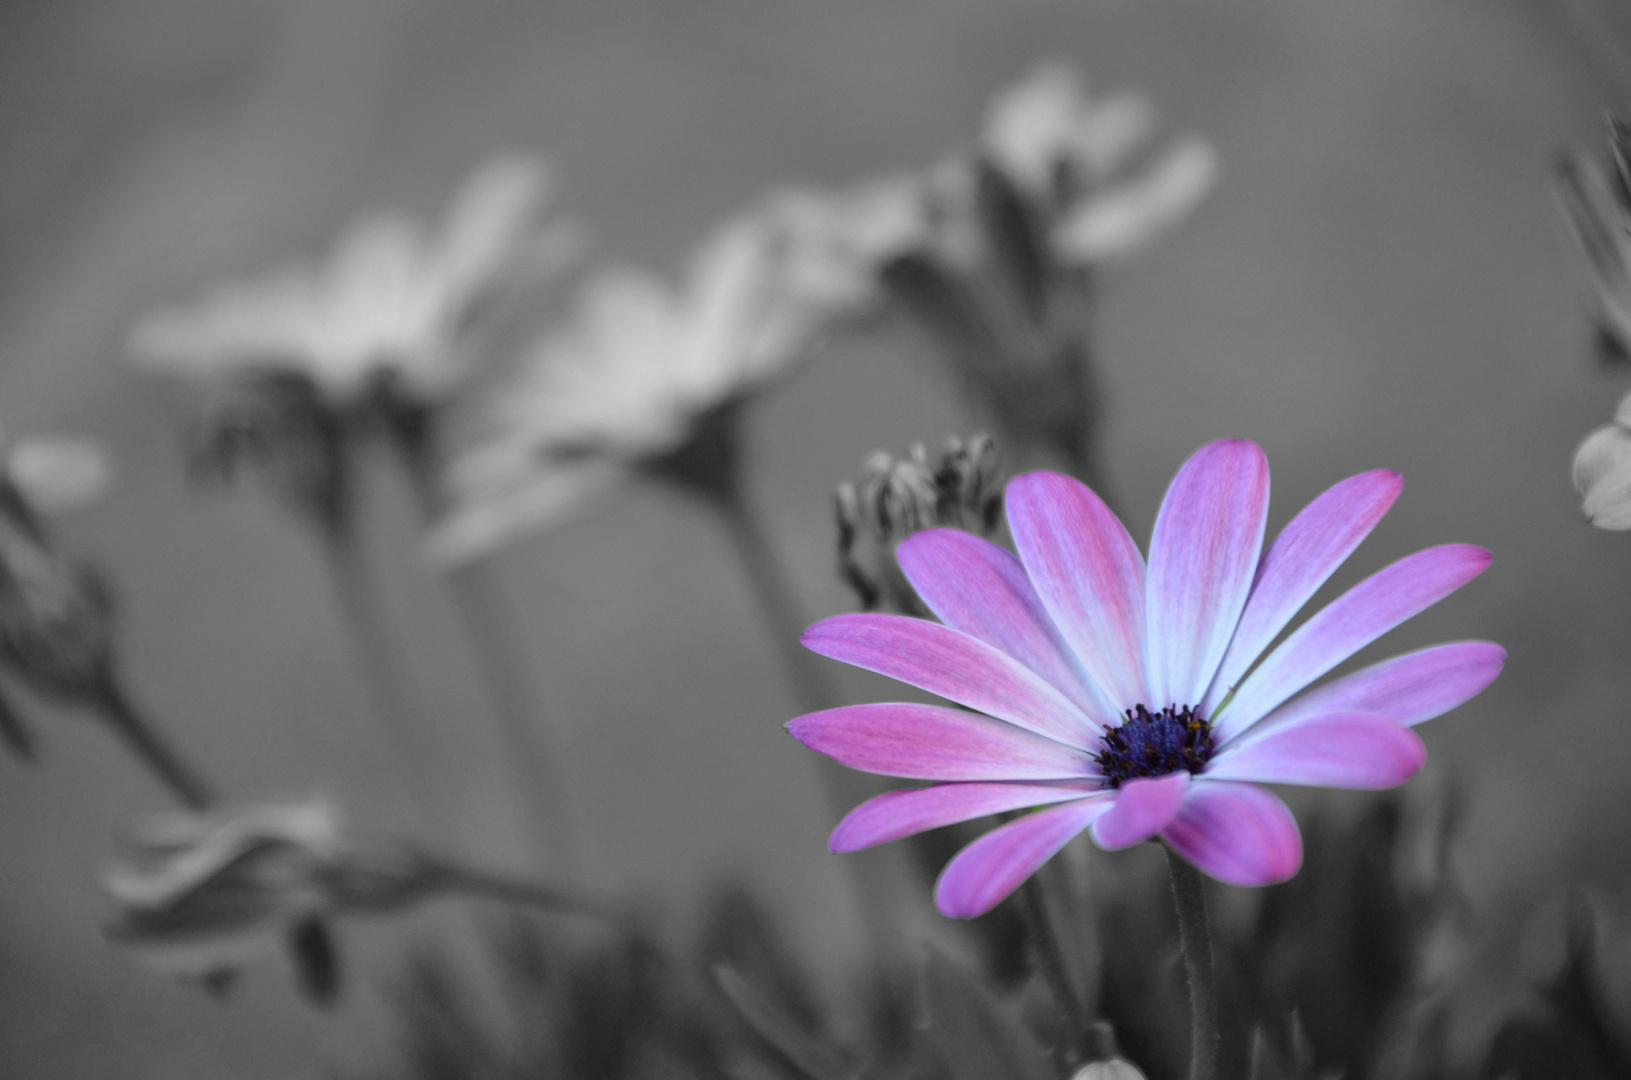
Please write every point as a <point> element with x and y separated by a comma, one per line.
<point>384,671</point>
<point>1050,959</point>
<point>150,747</point>
<point>458,878</point>
<point>1194,932</point>
<point>531,741</point>
<point>531,749</point>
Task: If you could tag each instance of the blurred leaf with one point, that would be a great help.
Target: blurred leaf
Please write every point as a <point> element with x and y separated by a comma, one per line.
<point>1572,1037</point>
<point>316,961</point>
<point>16,733</point>
<point>944,306</point>
<point>804,1051</point>
<point>977,1036</point>
<point>741,935</point>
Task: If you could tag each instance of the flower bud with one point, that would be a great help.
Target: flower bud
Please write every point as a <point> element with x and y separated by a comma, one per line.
<point>1602,472</point>
<point>896,497</point>
<point>202,892</point>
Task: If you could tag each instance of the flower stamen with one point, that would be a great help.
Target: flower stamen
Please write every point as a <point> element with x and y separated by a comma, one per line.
<point>1155,744</point>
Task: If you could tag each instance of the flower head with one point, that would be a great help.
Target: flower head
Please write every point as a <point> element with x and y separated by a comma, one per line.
<point>205,892</point>
<point>1141,700</point>
<point>645,369</point>
<point>1602,472</point>
<point>391,304</point>
<point>1067,159</point>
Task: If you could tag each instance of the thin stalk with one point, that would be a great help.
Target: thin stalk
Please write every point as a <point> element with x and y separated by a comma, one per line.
<point>151,748</point>
<point>1050,959</point>
<point>505,888</point>
<point>769,582</point>
<point>530,737</point>
<point>385,673</point>
<point>532,750</point>
<point>844,789</point>
<point>1194,932</point>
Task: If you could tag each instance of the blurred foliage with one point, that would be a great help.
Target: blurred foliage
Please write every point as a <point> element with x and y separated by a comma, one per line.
<point>1337,973</point>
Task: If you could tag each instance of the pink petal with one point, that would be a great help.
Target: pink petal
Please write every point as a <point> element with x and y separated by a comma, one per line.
<point>1346,625</point>
<point>1238,833</point>
<point>993,866</point>
<point>1089,574</point>
<point>1409,689</point>
<point>1203,554</point>
<point>981,589</point>
<point>895,814</point>
<point>1342,750</point>
<point>1142,808</point>
<point>928,742</point>
<point>1305,554</point>
<point>954,665</point>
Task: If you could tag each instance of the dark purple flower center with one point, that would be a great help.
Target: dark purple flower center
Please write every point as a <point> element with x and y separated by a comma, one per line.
<point>1154,744</point>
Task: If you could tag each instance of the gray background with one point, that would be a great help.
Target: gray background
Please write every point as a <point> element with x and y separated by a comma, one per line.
<point>1380,280</point>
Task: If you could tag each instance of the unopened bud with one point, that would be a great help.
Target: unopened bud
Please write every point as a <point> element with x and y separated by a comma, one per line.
<point>896,497</point>
<point>55,615</point>
<point>203,892</point>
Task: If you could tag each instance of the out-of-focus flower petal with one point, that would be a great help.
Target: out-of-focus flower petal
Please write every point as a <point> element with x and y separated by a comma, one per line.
<point>1602,474</point>
<point>59,473</point>
<point>495,207</point>
<point>1123,219</point>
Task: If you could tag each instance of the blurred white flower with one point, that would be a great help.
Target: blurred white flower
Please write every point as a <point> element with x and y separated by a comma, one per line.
<point>1113,1069</point>
<point>392,300</point>
<point>1596,199</point>
<point>1067,151</point>
<point>1602,472</point>
<point>59,473</point>
<point>203,892</point>
<point>636,374</point>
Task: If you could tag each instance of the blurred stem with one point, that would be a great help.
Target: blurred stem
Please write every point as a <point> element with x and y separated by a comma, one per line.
<point>385,671</point>
<point>530,737</point>
<point>153,749</point>
<point>1050,959</point>
<point>1194,932</point>
<point>505,888</point>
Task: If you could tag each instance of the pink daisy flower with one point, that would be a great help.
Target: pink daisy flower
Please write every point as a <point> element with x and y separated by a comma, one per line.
<point>1137,700</point>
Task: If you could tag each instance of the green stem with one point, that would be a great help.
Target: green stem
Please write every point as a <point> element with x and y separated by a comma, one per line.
<point>151,748</point>
<point>1194,932</point>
